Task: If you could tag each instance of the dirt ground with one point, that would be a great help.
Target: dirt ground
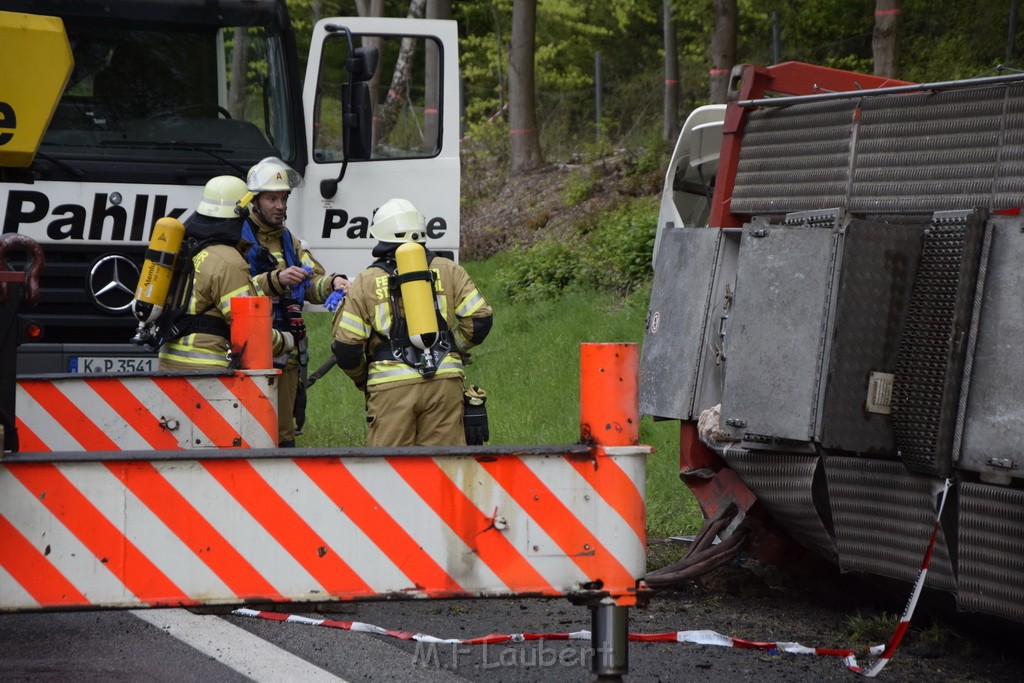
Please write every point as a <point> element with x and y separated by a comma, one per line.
<point>749,600</point>
<point>817,606</point>
<point>501,212</point>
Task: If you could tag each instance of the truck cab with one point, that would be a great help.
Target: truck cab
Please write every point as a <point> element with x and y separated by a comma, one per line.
<point>690,178</point>
<point>165,94</point>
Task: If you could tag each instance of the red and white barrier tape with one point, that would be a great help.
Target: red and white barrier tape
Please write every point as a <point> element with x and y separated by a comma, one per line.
<point>875,667</point>
<point>695,637</point>
<point>884,652</point>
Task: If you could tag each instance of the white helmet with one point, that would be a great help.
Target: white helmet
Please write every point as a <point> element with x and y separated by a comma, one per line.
<point>223,196</point>
<point>397,220</point>
<point>272,175</point>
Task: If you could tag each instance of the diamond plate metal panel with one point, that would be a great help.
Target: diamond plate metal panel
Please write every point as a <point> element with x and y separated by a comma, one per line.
<point>930,358</point>
<point>876,276</point>
<point>792,488</point>
<point>674,341</point>
<point>991,550</point>
<point>994,423</point>
<point>884,516</point>
<point>783,286</point>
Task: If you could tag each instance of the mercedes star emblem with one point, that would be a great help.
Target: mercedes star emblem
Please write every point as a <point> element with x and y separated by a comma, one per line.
<point>112,283</point>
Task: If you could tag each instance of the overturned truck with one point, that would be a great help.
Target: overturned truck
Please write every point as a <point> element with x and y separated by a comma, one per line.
<point>836,321</point>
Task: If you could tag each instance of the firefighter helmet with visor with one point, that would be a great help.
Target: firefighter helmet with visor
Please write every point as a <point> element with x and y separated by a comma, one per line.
<point>397,220</point>
<point>272,175</point>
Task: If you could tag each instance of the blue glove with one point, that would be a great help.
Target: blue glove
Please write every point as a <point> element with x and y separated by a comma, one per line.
<point>334,300</point>
<point>299,290</point>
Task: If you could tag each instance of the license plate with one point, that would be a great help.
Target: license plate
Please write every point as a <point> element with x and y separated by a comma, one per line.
<point>102,364</point>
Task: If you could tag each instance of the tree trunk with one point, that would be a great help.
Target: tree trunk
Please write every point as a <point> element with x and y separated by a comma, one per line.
<point>525,140</point>
<point>398,93</point>
<point>885,41</point>
<point>239,77</point>
<point>370,8</point>
<point>670,127</point>
<point>436,9</point>
<point>439,9</point>
<point>723,49</point>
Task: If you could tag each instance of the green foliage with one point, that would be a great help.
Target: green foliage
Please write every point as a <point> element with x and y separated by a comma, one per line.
<point>579,187</point>
<point>945,39</point>
<point>570,33</point>
<point>939,40</point>
<point>622,243</point>
<point>651,155</point>
<point>544,271</point>
<point>613,254</point>
<point>487,140</point>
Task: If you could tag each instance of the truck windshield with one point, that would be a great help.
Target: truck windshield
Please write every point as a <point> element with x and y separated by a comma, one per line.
<point>171,94</point>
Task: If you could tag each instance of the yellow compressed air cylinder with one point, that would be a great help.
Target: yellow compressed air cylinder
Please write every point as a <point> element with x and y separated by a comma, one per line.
<point>157,273</point>
<point>417,295</point>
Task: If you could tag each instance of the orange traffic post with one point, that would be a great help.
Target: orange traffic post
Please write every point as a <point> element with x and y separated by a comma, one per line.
<point>609,417</point>
<point>609,404</point>
<point>251,332</point>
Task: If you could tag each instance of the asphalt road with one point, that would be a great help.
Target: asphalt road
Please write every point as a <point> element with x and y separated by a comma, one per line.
<point>179,646</point>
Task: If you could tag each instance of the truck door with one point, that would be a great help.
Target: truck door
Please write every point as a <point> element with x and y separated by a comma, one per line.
<point>411,150</point>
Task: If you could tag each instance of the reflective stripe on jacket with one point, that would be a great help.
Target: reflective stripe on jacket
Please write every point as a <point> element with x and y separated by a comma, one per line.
<point>319,285</point>
<point>365,318</point>
<point>220,274</point>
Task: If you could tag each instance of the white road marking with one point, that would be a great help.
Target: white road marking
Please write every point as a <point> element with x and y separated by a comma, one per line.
<point>235,647</point>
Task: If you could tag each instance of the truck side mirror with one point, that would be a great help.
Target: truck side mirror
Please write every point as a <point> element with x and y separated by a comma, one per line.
<point>357,109</point>
<point>362,64</point>
<point>357,103</point>
<point>358,120</point>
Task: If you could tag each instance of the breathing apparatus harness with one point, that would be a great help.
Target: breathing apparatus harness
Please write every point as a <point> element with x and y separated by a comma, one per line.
<point>398,345</point>
<point>166,281</point>
<point>419,347</point>
<point>174,322</point>
<point>183,323</point>
<point>262,261</point>
<point>288,309</point>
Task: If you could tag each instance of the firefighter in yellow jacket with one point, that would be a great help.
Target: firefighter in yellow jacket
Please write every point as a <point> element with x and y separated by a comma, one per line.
<point>199,334</point>
<point>414,390</point>
<point>286,272</point>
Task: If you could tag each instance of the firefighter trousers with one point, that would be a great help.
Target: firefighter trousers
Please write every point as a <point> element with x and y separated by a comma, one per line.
<point>426,413</point>
<point>287,390</point>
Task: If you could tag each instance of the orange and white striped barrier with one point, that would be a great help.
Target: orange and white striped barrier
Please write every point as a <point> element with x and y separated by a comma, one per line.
<point>147,412</point>
<point>121,518</point>
<point>111,532</point>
